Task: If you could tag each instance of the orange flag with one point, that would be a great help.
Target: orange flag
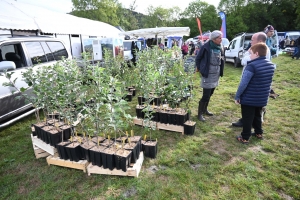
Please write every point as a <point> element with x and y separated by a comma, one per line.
<point>199,26</point>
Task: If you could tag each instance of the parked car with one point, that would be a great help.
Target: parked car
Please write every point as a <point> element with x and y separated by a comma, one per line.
<point>238,46</point>
<point>17,54</point>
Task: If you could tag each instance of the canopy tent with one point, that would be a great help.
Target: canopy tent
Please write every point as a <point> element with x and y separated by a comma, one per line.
<point>158,32</point>
<point>171,38</point>
<point>21,16</point>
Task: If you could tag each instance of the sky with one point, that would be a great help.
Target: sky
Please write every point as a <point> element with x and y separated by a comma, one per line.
<point>65,6</point>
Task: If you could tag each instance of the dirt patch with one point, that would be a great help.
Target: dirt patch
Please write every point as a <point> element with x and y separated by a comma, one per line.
<point>232,161</point>
<point>218,147</point>
<point>256,149</point>
<point>285,196</point>
<point>112,192</point>
<point>153,169</point>
<point>195,166</point>
<point>129,193</point>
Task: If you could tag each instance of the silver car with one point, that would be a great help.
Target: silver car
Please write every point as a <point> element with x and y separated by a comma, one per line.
<point>17,54</point>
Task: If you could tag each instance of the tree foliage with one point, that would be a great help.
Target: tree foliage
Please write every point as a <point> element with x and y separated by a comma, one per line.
<point>100,10</point>
<point>241,15</point>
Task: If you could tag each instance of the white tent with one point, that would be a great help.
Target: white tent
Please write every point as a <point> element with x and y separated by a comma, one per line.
<point>21,16</point>
<point>158,32</point>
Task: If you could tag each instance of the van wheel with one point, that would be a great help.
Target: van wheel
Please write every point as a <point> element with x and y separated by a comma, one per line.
<point>235,63</point>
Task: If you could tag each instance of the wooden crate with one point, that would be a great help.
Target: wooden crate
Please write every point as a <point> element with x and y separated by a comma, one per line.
<point>170,127</point>
<point>39,153</point>
<point>55,160</point>
<point>133,170</point>
<point>36,142</point>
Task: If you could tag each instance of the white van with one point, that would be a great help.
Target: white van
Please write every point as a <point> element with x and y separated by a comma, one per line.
<point>239,45</point>
<point>17,54</point>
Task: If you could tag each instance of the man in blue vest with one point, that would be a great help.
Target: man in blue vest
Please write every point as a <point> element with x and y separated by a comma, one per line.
<point>253,91</point>
<point>256,38</point>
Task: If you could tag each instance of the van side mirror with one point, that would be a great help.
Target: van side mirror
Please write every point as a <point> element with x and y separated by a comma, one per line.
<point>7,65</point>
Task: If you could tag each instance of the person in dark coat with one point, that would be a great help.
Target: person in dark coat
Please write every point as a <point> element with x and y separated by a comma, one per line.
<point>253,91</point>
<point>210,64</point>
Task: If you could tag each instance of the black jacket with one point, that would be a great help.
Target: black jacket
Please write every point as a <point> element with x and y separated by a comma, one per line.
<point>203,60</point>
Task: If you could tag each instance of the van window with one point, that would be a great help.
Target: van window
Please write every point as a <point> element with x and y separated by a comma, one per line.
<point>127,46</point>
<point>58,50</point>
<point>36,52</point>
<point>232,44</point>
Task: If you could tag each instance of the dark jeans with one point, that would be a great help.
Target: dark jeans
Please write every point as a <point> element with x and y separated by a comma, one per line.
<point>298,53</point>
<point>251,118</point>
<point>207,94</point>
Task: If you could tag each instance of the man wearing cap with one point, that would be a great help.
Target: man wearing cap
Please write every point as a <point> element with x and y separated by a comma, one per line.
<point>210,64</point>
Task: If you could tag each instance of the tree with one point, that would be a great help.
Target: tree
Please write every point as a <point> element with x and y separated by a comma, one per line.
<point>205,12</point>
<point>129,19</point>
<point>100,10</point>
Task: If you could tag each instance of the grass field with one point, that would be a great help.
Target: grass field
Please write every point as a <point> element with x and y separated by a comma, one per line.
<point>211,164</point>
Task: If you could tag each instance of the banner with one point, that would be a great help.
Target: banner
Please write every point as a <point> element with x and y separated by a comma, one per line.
<point>223,27</point>
<point>199,26</point>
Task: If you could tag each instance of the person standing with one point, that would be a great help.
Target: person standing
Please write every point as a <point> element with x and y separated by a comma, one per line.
<point>287,42</point>
<point>184,49</point>
<point>256,38</point>
<point>192,47</point>
<point>210,64</point>
<point>269,30</point>
<point>297,49</point>
<point>253,91</point>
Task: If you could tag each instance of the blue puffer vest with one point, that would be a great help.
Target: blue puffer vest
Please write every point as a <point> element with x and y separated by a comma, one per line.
<point>257,92</point>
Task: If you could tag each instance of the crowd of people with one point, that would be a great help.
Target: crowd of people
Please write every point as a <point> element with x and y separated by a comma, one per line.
<point>287,42</point>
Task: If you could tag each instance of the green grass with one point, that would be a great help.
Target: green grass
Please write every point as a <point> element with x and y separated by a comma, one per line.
<point>225,169</point>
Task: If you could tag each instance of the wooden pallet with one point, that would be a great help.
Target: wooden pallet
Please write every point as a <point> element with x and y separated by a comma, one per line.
<point>170,127</point>
<point>36,142</point>
<point>39,153</point>
<point>81,164</point>
<point>133,170</point>
<point>138,121</point>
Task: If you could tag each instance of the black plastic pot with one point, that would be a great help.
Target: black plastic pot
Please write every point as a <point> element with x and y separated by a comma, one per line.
<point>62,151</point>
<point>96,155</point>
<point>38,129</point>
<point>74,152</point>
<point>122,159</point>
<point>171,118</point>
<point>133,91</point>
<point>45,133</point>
<point>163,117</point>
<point>141,100</point>
<point>139,112</point>
<point>133,147</point>
<point>67,131</point>
<point>128,97</point>
<point>85,150</point>
<point>54,137</point>
<point>155,116</point>
<point>180,118</point>
<point>156,101</point>
<point>189,127</point>
<point>143,142</point>
<point>108,160</point>
<point>150,149</point>
<point>137,140</point>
